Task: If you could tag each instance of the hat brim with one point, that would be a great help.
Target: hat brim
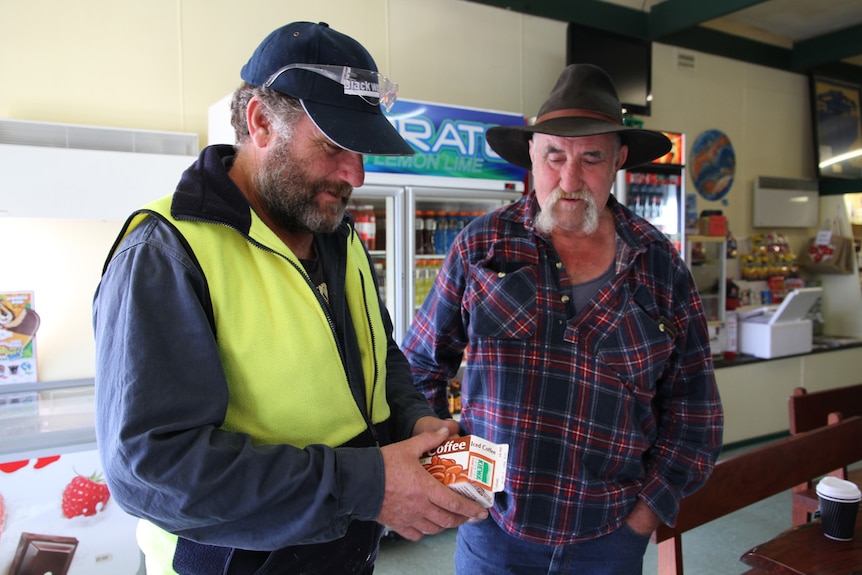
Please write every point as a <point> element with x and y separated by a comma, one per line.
<point>512,143</point>
<point>357,130</point>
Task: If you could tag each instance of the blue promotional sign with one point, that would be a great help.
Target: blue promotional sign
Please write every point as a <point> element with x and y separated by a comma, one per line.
<point>449,141</point>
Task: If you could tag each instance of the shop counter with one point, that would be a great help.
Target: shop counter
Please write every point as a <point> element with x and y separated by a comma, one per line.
<point>754,391</point>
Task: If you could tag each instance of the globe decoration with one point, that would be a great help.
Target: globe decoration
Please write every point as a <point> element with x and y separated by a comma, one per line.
<point>713,164</point>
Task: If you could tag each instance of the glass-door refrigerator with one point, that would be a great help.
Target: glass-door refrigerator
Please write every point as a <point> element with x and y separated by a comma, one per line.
<point>656,191</point>
<point>439,214</point>
<point>421,202</point>
<point>379,214</point>
<point>414,226</point>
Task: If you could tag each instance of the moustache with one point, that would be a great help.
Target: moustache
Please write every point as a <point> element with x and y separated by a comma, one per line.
<point>560,194</point>
<point>339,190</point>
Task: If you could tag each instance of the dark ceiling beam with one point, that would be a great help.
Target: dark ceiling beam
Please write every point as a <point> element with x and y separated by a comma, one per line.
<point>601,15</point>
<point>610,17</point>
<point>730,46</point>
<point>673,16</point>
<point>827,48</point>
<point>742,49</point>
<point>840,71</point>
<point>676,22</point>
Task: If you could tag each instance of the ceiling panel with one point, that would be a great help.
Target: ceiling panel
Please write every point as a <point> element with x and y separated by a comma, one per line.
<point>823,36</point>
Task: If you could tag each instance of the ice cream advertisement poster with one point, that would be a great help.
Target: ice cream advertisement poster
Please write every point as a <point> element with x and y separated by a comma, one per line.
<point>18,325</point>
<point>58,517</point>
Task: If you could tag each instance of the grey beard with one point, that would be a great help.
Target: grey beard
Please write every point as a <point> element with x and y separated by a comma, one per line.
<point>287,194</point>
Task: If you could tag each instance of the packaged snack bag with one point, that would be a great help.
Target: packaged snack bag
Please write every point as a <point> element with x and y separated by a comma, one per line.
<point>470,465</point>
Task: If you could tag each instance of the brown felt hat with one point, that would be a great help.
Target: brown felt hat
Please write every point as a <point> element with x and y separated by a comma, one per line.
<point>584,102</point>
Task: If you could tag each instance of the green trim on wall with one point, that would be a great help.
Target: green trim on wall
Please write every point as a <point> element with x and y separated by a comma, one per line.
<point>754,441</point>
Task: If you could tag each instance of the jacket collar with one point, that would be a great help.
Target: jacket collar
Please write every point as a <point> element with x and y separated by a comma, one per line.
<point>206,191</point>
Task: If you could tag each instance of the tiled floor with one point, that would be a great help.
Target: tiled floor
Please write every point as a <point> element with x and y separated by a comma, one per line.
<point>712,549</point>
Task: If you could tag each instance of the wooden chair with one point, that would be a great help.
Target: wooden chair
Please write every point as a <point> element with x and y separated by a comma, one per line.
<point>752,476</point>
<point>810,410</point>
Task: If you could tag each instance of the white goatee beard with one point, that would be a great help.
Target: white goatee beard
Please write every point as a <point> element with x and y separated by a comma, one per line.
<point>546,221</point>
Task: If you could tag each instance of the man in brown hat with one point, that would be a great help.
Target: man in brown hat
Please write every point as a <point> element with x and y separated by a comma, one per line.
<point>587,349</point>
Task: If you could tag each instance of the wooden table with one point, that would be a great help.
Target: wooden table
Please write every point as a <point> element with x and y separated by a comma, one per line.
<point>804,550</point>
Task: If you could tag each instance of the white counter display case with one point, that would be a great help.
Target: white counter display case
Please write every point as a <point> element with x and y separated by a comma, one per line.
<point>56,515</point>
<point>754,391</point>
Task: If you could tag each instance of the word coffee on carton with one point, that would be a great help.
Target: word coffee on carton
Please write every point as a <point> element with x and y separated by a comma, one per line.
<point>470,465</point>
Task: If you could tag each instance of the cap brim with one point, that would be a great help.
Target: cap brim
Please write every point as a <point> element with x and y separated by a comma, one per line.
<point>358,131</point>
<point>512,143</point>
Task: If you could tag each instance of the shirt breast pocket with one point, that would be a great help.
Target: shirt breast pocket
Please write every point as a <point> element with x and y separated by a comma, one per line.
<point>501,298</point>
<point>639,349</point>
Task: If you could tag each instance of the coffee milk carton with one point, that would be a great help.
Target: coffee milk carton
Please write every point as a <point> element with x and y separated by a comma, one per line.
<point>470,465</point>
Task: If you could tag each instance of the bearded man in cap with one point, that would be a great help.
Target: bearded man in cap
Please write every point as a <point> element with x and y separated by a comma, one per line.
<point>587,349</point>
<point>252,407</point>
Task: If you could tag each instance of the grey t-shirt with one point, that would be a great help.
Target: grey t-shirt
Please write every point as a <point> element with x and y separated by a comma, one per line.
<point>582,293</point>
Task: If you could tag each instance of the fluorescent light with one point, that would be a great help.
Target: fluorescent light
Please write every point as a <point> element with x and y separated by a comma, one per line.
<point>841,158</point>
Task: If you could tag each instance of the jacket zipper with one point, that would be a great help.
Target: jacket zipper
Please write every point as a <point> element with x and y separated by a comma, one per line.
<point>325,306</point>
<point>374,357</point>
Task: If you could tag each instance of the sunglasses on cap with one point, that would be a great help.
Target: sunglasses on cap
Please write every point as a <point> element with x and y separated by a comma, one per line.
<point>373,87</point>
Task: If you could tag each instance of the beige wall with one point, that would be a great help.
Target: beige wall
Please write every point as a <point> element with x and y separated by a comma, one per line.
<point>159,64</point>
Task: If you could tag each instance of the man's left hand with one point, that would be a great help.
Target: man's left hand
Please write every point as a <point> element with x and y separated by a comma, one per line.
<point>642,519</point>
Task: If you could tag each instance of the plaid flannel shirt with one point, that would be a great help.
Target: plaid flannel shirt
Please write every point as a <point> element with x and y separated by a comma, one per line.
<point>600,406</point>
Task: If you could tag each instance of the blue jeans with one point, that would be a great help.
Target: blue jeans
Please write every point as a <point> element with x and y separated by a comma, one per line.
<point>485,549</point>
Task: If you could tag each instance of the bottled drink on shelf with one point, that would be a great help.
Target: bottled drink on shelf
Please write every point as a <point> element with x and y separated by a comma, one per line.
<point>459,221</point>
<point>656,194</point>
<point>420,286</point>
<point>366,225</point>
<point>441,233</point>
<point>453,393</point>
<point>370,228</point>
<point>425,274</point>
<point>634,194</point>
<point>656,207</point>
<point>380,272</point>
<point>430,233</point>
<point>380,220</point>
<point>453,229</point>
<point>432,269</point>
<point>419,223</point>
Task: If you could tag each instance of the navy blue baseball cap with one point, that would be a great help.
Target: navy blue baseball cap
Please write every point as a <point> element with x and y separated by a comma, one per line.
<point>337,82</point>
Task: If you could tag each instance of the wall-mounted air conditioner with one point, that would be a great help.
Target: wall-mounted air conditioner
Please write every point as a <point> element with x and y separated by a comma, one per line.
<point>68,171</point>
<point>785,203</point>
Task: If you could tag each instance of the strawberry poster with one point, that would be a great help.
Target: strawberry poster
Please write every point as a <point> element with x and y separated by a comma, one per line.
<point>18,325</point>
<point>57,516</point>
